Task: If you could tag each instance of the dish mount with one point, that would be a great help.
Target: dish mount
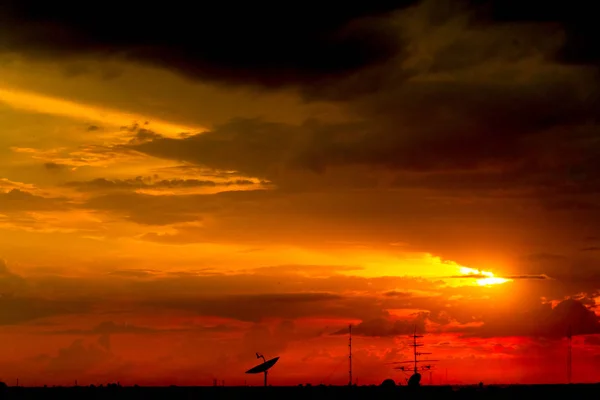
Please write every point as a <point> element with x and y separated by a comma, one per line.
<point>263,367</point>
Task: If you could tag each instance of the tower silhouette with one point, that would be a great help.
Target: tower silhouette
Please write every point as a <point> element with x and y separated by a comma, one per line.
<point>415,378</point>
<point>350,355</point>
<point>570,355</point>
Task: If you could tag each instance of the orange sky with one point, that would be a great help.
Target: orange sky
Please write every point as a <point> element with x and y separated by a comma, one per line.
<point>161,226</point>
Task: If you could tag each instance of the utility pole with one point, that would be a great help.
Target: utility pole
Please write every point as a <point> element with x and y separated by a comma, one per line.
<point>350,355</point>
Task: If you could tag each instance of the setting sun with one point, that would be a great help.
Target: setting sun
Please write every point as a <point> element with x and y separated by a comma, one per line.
<point>486,278</point>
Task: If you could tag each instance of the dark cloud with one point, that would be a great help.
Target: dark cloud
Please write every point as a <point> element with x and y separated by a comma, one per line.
<point>190,285</point>
<point>578,270</point>
<point>591,248</point>
<point>154,210</point>
<point>18,309</point>
<point>141,135</point>
<point>490,136</point>
<point>102,184</point>
<point>381,327</point>
<point>20,301</point>
<point>259,43</point>
<point>312,270</point>
<point>134,273</point>
<point>51,166</point>
<point>18,200</point>
<point>477,100</point>
<point>543,321</point>
<point>256,307</point>
<point>164,210</point>
<point>302,42</point>
<point>10,283</point>
<point>107,328</point>
<point>575,17</point>
<point>251,145</point>
<point>394,293</point>
<point>526,277</point>
<point>478,135</point>
<point>94,362</point>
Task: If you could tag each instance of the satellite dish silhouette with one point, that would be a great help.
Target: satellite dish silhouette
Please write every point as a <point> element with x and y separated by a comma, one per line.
<point>263,367</point>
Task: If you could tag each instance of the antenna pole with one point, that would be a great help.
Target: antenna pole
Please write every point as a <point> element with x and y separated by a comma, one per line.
<point>350,355</point>
<point>415,348</point>
<point>569,355</point>
<point>266,377</point>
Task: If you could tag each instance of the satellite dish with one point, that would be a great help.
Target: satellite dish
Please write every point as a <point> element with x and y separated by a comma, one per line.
<point>263,367</point>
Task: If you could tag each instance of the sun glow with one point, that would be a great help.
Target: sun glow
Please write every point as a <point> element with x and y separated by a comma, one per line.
<point>485,278</point>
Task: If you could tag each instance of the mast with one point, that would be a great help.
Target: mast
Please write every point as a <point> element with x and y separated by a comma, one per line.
<point>569,355</point>
<point>350,355</point>
<point>265,371</point>
<point>415,349</point>
<point>415,378</point>
<point>414,346</point>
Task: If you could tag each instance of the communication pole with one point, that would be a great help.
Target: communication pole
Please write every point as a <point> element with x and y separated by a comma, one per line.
<point>569,355</point>
<point>350,355</point>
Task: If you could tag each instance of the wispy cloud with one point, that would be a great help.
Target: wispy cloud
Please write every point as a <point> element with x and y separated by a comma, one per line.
<point>38,103</point>
<point>510,277</point>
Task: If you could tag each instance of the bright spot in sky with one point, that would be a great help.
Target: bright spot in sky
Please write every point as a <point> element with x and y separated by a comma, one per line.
<point>487,278</point>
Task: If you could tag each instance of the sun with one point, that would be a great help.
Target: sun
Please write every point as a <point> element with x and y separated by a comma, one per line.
<point>485,278</point>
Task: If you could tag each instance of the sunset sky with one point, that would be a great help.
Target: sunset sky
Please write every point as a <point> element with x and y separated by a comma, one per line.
<point>184,185</point>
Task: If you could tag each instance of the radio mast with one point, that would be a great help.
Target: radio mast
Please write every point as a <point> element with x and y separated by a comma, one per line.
<point>415,378</point>
<point>569,355</point>
<point>350,355</point>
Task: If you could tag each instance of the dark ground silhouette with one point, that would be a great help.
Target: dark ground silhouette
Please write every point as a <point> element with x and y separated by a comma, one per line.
<point>530,392</point>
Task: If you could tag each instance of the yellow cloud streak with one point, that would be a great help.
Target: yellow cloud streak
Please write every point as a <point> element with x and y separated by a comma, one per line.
<point>33,102</point>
